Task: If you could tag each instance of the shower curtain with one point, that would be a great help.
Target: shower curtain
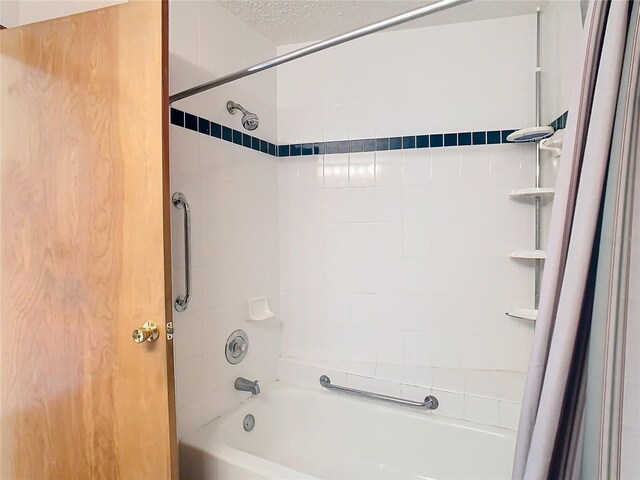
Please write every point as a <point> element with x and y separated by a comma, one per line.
<point>603,116</point>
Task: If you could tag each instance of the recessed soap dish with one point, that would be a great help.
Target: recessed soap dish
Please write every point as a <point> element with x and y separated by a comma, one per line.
<point>258,309</point>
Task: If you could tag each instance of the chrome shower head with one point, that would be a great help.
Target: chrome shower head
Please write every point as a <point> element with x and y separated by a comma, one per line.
<point>249,120</point>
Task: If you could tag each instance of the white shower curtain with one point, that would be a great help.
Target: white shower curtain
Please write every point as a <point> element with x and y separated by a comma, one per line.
<point>549,436</point>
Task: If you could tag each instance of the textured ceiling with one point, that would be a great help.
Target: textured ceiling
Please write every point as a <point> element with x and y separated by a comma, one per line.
<point>294,21</point>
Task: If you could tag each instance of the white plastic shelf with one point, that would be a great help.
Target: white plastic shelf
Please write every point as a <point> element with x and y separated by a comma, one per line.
<point>524,313</point>
<point>529,254</point>
<point>532,192</point>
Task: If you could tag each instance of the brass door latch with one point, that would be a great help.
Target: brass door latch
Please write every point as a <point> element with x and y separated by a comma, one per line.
<point>148,333</point>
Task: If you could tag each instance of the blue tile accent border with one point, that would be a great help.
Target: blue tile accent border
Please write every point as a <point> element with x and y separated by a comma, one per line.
<point>216,130</point>
<point>493,137</point>
<point>283,150</point>
<point>505,134</point>
<point>177,117</point>
<point>435,140</point>
<point>464,139</point>
<point>432,140</point>
<point>560,122</point>
<point>479,138</point>
<point>227,134</point>
<point>408,142</point>
<point>369,145</point>
<point>191,122</point>
<point>450,139</point>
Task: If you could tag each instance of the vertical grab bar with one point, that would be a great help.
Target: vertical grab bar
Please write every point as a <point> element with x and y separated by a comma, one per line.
<point>180,201</point>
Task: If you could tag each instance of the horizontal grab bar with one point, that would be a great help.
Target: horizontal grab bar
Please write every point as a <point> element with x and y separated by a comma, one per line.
<point>430,402</point>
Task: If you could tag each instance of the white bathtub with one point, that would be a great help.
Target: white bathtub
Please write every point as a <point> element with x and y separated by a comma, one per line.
<point>304,433</point>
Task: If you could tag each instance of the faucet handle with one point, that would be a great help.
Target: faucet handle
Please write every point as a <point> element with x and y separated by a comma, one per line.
<point>238,346</point>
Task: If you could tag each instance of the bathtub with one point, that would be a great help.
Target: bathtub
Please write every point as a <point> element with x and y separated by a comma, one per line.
<point>306,433</point>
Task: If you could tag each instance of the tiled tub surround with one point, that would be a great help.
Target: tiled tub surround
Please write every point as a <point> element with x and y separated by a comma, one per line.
<point>233,198</point>
<point>393,256</point>
<point>234,203</point>
<point>377,209</point>
<point>401,257</point>
<point>502,406</point>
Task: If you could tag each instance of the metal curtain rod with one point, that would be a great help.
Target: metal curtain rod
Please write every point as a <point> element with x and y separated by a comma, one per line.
<point>316,47</point>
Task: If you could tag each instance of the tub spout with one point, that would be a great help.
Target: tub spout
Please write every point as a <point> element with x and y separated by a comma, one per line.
<point>245,385</point>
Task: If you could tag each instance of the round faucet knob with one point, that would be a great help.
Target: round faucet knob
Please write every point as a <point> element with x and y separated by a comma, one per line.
<point>238,346</point>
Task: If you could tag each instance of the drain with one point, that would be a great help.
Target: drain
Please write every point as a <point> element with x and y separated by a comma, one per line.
<point>249,422</point>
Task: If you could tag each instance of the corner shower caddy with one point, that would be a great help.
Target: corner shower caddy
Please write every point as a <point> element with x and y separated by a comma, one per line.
<point>534,134</point>
<point>537,193</point>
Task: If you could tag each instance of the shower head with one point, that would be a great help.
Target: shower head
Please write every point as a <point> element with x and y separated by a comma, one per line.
<point>531,134</point>
<point>249,120</point>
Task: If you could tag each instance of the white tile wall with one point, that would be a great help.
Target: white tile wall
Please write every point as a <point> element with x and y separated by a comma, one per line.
<point>457,77</point>
<point>425,279</point>
<point>560,41</point>
<point>234,202</point>
<point>410,248</point>
<point>206,42</point>
<point>235,257</point>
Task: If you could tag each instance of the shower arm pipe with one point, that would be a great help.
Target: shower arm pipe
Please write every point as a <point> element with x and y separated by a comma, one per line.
<point>319,46</point>
<point>232,106</point>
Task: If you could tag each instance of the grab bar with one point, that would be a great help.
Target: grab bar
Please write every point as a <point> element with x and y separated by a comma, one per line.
<point>182,301</point>
<point>430,402</point>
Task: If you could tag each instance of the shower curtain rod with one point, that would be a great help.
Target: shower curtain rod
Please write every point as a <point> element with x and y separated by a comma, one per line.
<point>316,47</point>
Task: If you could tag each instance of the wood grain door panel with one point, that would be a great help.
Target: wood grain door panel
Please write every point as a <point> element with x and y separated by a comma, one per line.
<point>85,247</point>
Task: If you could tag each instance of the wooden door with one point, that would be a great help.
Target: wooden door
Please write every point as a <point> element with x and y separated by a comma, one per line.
<point>85,253</point>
